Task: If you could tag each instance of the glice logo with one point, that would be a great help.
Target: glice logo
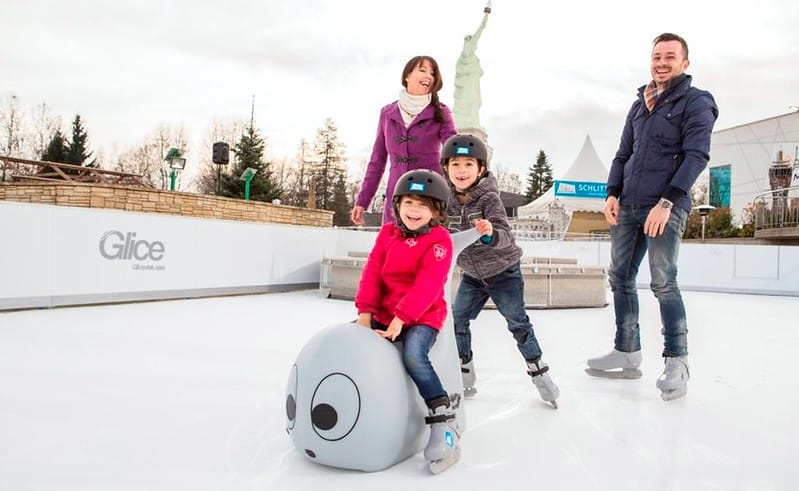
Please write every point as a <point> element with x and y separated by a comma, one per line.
<point>116,245</point>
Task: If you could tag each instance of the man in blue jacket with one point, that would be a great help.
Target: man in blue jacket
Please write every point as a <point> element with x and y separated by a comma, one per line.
<point>664,147</point>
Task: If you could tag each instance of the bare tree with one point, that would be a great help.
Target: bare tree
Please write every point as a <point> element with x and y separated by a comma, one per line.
<point>148,158</point>
<point>43,126</point>
<point>298,176</point>
<point>506,180</point>
<point>282,169</point>
<point>11,137</point>
<point>700,190</point>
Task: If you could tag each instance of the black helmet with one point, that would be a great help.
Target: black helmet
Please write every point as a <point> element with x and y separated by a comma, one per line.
<point>421,182</point>
<point>464,145</point>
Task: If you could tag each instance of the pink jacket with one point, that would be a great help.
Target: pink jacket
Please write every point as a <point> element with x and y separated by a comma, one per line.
<point>415,147</point>
<point>405,277</point>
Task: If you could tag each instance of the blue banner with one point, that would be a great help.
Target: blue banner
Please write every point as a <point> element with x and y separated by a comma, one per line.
<point>720,186</point>
<point>581,189</point>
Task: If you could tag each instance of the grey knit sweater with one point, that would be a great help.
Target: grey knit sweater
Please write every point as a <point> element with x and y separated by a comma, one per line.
<point>481,260</point>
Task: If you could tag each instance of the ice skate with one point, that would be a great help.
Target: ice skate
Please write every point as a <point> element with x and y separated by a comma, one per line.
<point>673,383</point>
<point>469,378</point>
<point>443,449</point>
<point>546,387</point>
<point>616,364</point>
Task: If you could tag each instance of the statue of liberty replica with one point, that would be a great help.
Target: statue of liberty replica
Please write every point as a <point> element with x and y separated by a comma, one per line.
<point>466,109</point>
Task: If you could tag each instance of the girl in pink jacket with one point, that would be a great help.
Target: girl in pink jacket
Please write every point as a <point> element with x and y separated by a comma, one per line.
<point>401,295</point>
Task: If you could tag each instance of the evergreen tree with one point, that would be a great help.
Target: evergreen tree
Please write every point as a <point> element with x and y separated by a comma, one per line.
<point>249,152</point>
<point>78,149</point>
<point>539,179</point>
<point>329,165</point>
<point>341,203</point>
<point>56,150</point>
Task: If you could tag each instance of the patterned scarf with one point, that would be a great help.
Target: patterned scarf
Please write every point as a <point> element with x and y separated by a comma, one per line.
<point>651,95</point>
<point>411,105</point>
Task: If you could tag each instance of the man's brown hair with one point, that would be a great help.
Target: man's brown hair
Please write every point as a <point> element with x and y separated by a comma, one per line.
<point>667,36</point>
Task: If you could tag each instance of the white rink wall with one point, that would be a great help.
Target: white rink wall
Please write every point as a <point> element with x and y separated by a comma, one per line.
<point>58,255</point>
<point>729,268</point>
<point>55,255</point>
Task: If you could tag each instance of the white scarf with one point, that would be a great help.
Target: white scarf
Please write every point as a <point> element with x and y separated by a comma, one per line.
<point>411,105</point>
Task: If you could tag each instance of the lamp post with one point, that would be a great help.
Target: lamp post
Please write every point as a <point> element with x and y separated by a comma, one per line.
<point>176,163</point>
<point>704,210</point>
<point>247,176</point>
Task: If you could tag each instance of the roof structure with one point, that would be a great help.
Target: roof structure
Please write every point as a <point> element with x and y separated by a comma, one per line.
<point>586,167</point>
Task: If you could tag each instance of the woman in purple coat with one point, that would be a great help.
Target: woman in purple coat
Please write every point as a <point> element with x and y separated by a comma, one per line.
<point>409,134</point>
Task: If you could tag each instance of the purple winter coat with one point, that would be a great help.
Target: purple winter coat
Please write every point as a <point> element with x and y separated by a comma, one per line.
<point>415,147</point>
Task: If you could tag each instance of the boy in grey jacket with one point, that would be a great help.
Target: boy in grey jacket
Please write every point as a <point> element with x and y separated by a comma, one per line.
<point>491,265</point>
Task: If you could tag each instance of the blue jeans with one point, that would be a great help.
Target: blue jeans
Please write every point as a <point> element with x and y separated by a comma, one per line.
<point>628,246</point>
<point>416,343</point>
<point>507,291</point>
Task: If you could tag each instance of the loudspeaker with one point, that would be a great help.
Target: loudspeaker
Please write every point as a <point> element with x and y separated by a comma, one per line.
<point>221,154</point>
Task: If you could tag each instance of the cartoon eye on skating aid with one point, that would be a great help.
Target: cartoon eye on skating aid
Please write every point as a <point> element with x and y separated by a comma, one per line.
<point>291,399</point>
<point>335,407</point>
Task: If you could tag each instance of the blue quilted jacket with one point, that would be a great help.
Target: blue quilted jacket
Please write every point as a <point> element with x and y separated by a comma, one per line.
<point>663,152</point>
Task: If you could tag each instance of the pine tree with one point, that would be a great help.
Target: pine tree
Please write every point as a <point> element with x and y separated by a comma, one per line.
<point>341,203</point>
<point>249,152</point>
<point>78,149</point>
<point>329,164</point>
<point>56,150</point>
<point>539,179</point>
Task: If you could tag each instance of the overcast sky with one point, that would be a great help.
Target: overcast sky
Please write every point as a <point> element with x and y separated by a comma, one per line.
<point>554,72</point>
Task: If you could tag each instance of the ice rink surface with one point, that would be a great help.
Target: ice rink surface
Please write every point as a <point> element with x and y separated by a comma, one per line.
<point>190,394</point>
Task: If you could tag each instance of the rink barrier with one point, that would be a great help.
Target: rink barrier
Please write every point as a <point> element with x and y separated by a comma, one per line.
<point>51,301</point>
<point>548,282</point>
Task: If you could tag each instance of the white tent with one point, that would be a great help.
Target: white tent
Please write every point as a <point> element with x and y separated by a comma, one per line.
<point>586,167</point>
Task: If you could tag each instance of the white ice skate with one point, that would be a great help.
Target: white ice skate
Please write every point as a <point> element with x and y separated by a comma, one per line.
<point>673,384</point>
<point>469,378</point>
<point>443,449</point>
<point>616,364</point>
<point>546,387</point>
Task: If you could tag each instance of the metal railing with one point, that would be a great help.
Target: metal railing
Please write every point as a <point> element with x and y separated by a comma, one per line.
<point>774,209</point>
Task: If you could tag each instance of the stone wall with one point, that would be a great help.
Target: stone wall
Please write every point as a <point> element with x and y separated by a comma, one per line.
<point>159,201</point>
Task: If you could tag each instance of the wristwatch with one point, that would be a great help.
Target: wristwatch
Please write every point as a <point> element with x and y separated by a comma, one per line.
<point>664,203</point>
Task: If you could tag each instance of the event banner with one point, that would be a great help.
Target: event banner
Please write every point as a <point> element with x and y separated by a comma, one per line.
<point>581,189</point>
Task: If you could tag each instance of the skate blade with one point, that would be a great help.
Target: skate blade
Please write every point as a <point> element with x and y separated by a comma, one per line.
<point>469,392</point>
<point>439,466</point>
<point>670,395</point>
<point>624,373</point>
